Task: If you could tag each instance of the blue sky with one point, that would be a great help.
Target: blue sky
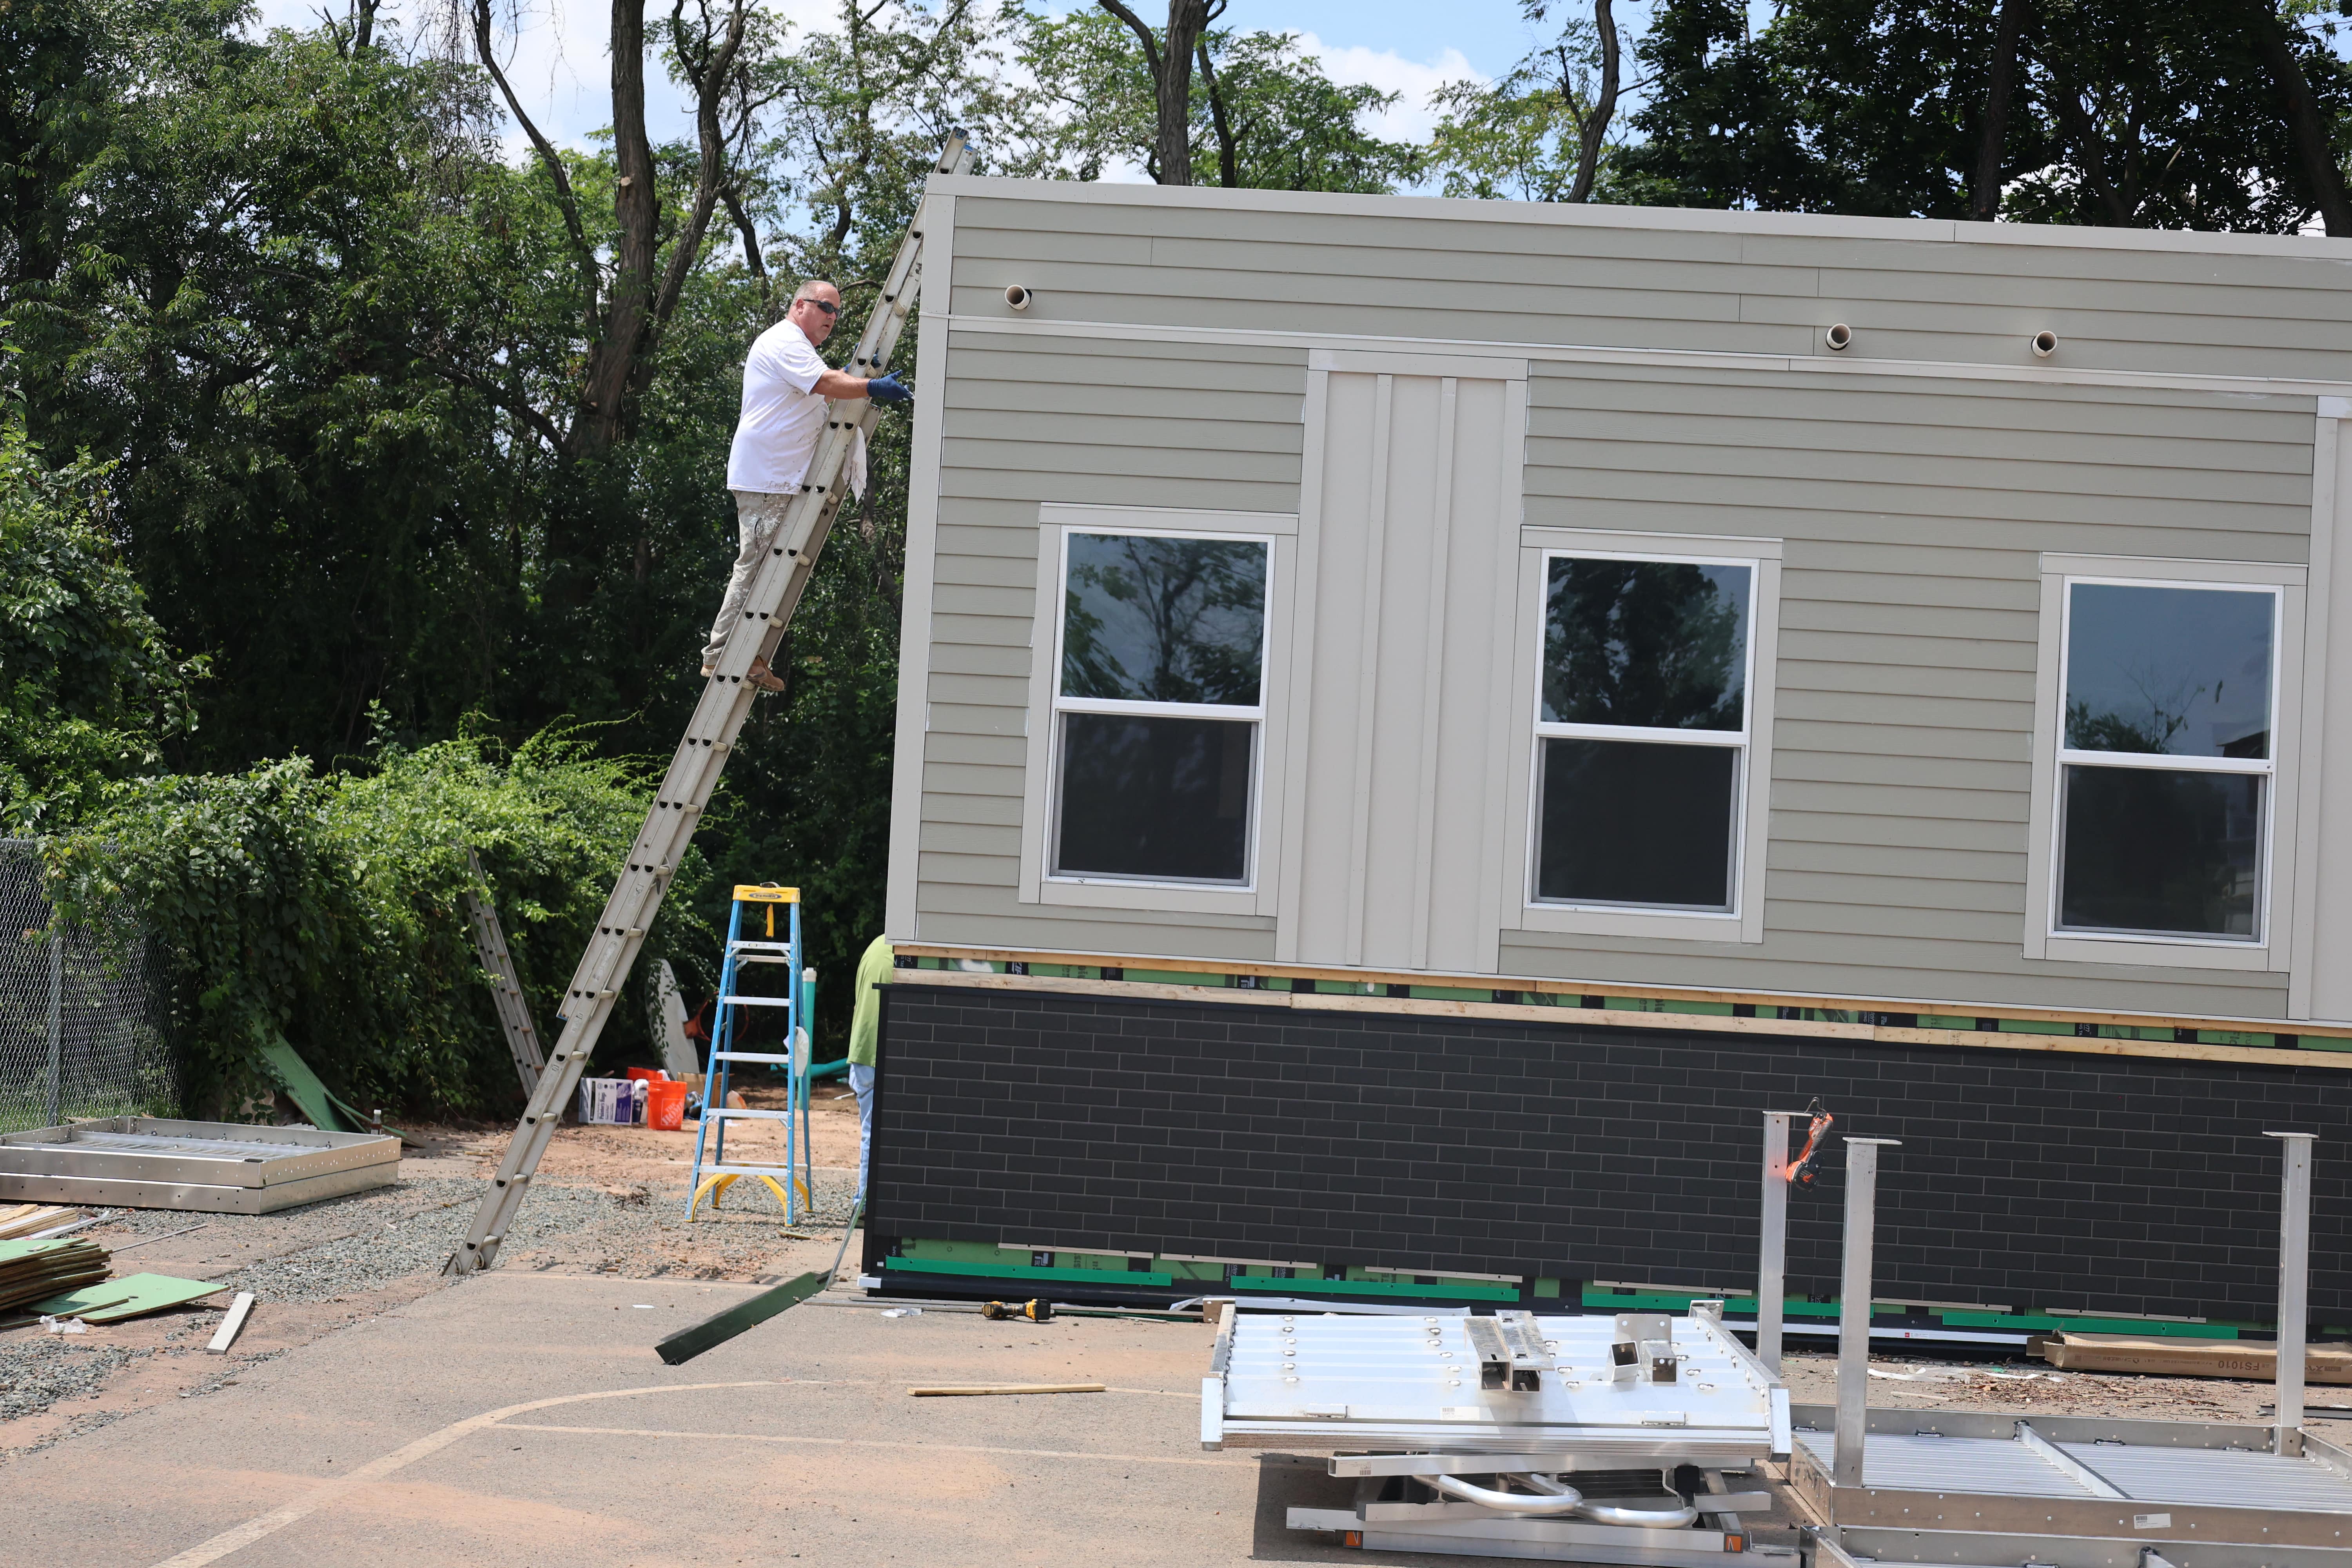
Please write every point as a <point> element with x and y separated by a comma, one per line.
<point>558,62</point>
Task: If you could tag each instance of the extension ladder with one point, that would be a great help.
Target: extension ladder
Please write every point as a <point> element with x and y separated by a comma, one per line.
<point>714,1175</point>
<point>694,771</point>
<point>505,990</point>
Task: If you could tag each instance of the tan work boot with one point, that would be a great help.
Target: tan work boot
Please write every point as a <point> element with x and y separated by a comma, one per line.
<point>761,676</point>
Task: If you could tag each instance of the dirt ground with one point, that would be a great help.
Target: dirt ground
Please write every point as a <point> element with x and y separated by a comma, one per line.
<point>636,1156</point>
<point>606,1201</point>
<point>1917,1383</point>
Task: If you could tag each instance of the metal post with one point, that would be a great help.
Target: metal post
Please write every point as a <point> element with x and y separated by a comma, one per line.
<point>803,1058</point>
<point>2294,1285</point>
<point>1853,1305</point>
<point>1772,1259</point>
<point>57,1025</point>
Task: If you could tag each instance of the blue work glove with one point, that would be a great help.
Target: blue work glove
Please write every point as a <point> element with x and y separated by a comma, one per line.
<point>889,389</point>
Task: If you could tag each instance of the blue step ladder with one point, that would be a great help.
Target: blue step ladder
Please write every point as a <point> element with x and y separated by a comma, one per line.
<point>793,1181</point>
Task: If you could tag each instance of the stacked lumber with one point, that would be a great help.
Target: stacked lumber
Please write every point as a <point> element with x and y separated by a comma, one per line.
<point>2170,1357</point>
<point>35,1270</point>
<point>20,1220</point>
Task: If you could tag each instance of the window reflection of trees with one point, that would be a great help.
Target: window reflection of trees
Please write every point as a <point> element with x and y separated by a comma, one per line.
<point>1659,645</point>
<point>1189,613</point>
<point>2153,729</point>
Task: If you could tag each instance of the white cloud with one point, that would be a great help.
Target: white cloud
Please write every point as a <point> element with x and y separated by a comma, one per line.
<point>1413,117</point>
<point>555,58</point>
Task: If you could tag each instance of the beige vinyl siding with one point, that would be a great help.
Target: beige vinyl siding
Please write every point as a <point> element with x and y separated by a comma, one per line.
<point>1913,509</point>
<point>1501,274</point>
<point>1029,422</point>
<point>1915,513</point>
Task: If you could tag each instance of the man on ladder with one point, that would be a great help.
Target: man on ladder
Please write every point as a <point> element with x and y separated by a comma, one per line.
<point>773,595</point>
<point>785,387</point>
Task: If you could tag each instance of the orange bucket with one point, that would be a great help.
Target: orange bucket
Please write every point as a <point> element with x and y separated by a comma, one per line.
<point>665,1107</point>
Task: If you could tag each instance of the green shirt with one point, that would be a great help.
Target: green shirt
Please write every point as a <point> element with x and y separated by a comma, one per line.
<point>865,1017</point>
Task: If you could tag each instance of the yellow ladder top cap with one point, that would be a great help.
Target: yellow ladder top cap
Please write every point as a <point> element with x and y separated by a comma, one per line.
<point>765,894</point>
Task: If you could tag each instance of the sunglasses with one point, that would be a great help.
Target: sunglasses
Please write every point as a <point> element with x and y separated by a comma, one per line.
<point>828,310</point>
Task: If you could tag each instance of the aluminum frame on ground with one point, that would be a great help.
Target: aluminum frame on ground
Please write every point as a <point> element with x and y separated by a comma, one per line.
<point>2006,1488</point>
<point>208,1167</point>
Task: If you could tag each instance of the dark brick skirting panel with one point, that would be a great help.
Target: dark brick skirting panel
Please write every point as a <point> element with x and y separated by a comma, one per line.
<point>2121,1185</point>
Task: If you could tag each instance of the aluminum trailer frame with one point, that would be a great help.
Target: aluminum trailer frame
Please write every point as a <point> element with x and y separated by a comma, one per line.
<point>2004,1488</point>
<point>1577,1428</point>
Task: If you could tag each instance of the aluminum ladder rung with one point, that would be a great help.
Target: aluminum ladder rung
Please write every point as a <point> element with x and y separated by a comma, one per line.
<point>702,753</point>
<point>756,1000</point>
<point>768,1056</point>
<point>740,1113</point>
<point>751,1171</point>
<point>763,946</point>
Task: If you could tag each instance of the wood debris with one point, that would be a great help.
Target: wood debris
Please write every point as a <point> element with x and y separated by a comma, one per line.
<point>22,1220</point>
<point>2170,1357</point>
<point>36,1270</point>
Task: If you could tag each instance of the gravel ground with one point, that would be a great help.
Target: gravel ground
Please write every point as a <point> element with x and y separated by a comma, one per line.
<point>363,1249</point>
<point>37,1374</point>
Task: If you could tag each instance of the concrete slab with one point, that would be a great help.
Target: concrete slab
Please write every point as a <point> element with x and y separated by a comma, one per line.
<point>398,1440</point>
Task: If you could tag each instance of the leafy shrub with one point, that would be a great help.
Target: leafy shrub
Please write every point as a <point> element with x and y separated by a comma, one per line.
<point>330,909</point>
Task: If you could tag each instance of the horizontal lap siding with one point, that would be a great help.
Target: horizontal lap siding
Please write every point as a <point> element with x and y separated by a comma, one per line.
<point>1913,509</point>
<point>1915,514</point>
<point>1489,278</point>
<point>1102,424</point>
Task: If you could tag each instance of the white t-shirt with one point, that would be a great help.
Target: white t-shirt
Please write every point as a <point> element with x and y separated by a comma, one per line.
<point>782,416</point>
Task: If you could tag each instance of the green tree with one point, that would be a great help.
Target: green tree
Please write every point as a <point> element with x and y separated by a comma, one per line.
<point>2055,111</point>
<point>1265,116</point>
<point>88,685</point>
<point>1542,132</point>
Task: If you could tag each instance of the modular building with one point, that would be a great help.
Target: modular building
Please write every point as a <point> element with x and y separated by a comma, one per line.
<point>1419,720</point>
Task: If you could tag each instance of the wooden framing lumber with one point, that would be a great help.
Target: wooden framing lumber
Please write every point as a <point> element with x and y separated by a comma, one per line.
<point>2255,1363</point>
<point>1607,1017</point>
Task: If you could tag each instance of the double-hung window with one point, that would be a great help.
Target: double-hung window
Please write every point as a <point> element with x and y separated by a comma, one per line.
<point>2167,760</point>
<point>1159,702</point>
<point>1643,733</point>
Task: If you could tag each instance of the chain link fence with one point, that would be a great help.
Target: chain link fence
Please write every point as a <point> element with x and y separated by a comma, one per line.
<point>84,1018</point>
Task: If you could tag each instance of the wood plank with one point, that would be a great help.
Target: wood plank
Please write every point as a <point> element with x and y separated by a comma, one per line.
<point>1226,966</point>
<point>232,1324</point>
<point>2251,1361</point>
<point>1606,1018</point>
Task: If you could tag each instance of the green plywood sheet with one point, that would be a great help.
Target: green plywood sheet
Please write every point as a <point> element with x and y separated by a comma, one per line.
<point>302,1085</point>
<point>311,1095</point>
<point>131,1297</point>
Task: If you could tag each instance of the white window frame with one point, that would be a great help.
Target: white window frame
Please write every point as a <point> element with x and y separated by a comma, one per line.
<point>1751,810</point>
<point>1041,789</point>
<point>2271,949</point>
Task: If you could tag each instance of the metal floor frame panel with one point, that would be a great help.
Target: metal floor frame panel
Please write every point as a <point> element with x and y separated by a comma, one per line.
<point>1478,1436</point>
<point>209,1167</point>
<point>2039,1478</point>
